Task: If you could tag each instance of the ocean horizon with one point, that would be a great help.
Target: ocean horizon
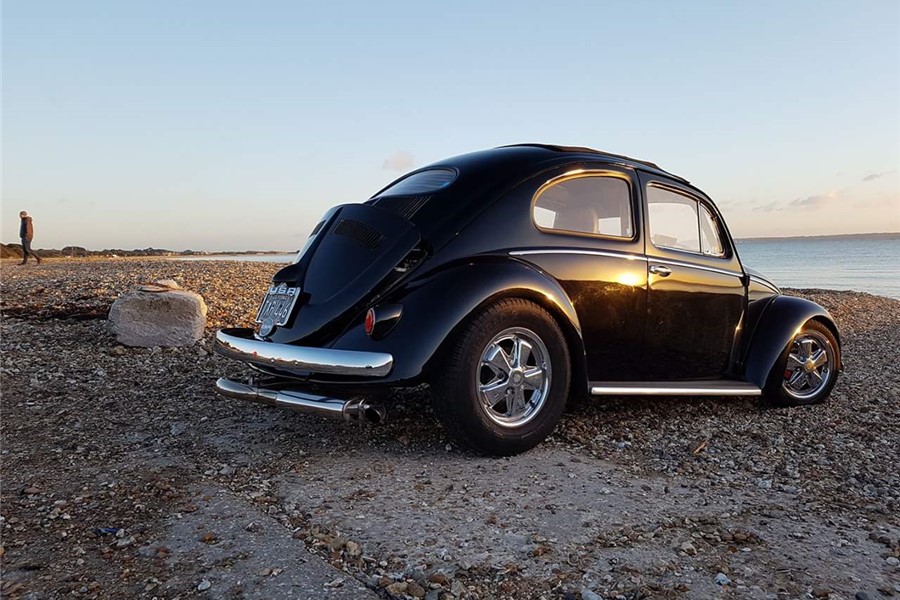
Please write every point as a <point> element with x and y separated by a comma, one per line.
<point>863,264</point>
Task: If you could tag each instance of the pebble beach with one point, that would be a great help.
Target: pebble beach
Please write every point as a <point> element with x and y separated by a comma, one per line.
<point>125,475</point>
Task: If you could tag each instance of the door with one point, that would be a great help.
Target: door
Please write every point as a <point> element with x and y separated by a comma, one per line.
<point>696,292</point>
<point>587,236</point>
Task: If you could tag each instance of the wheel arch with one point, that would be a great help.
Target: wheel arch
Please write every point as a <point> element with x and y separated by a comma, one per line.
<point>436,304</point>
<point>780,322</point>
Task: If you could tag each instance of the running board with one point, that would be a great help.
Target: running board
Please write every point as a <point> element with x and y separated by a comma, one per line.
<point>674,388</point>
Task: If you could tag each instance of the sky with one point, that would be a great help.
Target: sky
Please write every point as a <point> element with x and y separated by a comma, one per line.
<point>235,125</point>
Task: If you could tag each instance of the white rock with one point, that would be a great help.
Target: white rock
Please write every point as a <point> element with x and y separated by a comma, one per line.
<point>164,318</point>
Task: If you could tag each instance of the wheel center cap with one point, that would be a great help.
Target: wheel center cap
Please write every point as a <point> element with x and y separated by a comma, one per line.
<point>516,377</point>
<point>809,366</point>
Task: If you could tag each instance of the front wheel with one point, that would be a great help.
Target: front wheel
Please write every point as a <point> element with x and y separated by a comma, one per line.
<point>503,381</point>
<point>808,370</point>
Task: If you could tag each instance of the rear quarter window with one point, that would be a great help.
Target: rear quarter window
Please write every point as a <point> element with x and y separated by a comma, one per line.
<point>585,204</point>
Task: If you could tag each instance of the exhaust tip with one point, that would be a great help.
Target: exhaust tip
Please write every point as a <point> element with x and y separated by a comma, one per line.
<point>362,410</point>
<point>374,413</point>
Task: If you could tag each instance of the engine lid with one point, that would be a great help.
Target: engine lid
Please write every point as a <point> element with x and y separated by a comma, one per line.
<point>357,249</point>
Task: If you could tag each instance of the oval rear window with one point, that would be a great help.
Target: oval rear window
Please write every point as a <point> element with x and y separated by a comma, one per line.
<point>423,182</point>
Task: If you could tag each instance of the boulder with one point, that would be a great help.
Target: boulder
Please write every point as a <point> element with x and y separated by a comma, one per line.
<point>158,314</point>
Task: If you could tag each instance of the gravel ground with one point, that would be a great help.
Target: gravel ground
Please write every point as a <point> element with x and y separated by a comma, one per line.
<point>124,475</point>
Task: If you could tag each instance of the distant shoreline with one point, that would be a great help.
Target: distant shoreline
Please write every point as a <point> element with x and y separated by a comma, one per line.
<point>12,251</point>
<point>839,236</point>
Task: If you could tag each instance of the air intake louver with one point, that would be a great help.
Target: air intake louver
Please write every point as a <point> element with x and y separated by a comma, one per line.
<point>404,206</point>
<point>359,231</point>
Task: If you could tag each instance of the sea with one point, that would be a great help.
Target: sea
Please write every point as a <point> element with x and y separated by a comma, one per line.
<point>862,264</point>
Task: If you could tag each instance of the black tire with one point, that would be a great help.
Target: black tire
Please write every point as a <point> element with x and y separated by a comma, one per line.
<point>458,380</point>
<point>780,392</point>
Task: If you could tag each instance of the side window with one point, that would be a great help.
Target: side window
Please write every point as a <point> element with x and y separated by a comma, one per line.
<point>591,204</point>
<point>710,243</point>
<point>674,221</point>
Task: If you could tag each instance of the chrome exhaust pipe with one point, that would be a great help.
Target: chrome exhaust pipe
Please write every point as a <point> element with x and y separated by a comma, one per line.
<point>348,410</point>
<point>362,410</point>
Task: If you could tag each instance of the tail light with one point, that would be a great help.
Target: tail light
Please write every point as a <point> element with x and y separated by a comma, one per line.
<point>370,321</point>
<point>380,320</point>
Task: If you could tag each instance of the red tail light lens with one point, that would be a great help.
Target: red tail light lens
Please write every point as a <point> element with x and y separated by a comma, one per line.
<point>370,321</point>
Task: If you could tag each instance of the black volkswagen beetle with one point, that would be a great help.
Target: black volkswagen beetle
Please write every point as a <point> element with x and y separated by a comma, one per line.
<point>511,278</point>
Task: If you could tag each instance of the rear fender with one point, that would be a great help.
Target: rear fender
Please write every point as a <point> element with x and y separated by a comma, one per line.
<point>435,305</point>
<point>780,321</point>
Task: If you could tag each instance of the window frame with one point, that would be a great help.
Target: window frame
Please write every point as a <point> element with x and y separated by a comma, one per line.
<point>727,252</point>
<point>383,191</point>
<point>584,174</point>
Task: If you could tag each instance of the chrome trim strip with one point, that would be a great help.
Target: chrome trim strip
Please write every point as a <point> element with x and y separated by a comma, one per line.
<point>625,255</point>
<point>736,388</point>
<point>766,283</point>
<point>239,345</point>
<point>687,265</point>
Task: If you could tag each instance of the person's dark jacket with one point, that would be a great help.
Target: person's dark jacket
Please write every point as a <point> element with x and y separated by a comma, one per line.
<point>26,229</point>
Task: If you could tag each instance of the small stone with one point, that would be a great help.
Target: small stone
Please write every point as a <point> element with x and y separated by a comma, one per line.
<point>31,491</point>
<point>397,589</point>
<point>226,470</point>
<point>434,594</point>
<point>892,561</point>
<point>415,590</point>
<point>587,594</point>
<point>204,585</point>
<point>353,548</point>
<point>764,484</point>
<point>863,596</point>
<point>118,351</point>
<point>722,579</point>
<point>457,588</point>
<point>438,578</point>
<point>819,592</point>
<point>688,548</point>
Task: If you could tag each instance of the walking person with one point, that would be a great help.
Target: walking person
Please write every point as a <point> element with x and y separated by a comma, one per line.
<point>26,233</point>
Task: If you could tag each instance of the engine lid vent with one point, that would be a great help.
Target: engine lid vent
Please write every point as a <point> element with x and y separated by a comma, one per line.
<point>404,206</point>
<point>365,234</point>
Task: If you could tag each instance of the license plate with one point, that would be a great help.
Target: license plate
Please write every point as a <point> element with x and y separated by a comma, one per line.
<point>278,304</point>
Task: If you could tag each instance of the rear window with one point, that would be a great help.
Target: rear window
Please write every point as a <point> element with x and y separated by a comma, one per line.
<point>423,182</point>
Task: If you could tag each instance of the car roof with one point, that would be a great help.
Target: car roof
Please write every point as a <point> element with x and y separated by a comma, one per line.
<point>591,153</point>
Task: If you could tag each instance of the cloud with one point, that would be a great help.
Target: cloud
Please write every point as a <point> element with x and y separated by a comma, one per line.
<point>873,176</point>
<point>769,207</point>
<point>399,161</point>
<point>806,202</point>
<point>813,201</point>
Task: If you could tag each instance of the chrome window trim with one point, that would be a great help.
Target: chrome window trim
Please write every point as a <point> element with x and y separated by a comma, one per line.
<point>625,255</point>
<point>583,174</point>
<point>701,203</point>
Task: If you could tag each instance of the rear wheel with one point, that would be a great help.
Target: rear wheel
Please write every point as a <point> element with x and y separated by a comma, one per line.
<point>807,371</point>
<point>503,383</point>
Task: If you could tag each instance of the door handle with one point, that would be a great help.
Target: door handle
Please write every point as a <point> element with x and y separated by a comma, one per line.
<point>660,270</point>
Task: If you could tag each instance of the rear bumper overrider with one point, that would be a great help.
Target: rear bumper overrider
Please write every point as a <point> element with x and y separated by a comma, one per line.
<point>240,344</point>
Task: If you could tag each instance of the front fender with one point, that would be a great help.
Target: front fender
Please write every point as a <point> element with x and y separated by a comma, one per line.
<point>778,324</point>
<point>435,304</point>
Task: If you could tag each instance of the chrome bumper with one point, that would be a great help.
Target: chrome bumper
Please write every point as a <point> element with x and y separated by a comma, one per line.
<point>239,344</point>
